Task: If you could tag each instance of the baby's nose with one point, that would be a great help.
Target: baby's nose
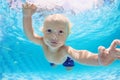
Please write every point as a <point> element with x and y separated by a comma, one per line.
<point>54,36</point>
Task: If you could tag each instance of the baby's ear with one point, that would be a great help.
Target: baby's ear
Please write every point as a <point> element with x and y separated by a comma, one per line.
<point>41,28</point>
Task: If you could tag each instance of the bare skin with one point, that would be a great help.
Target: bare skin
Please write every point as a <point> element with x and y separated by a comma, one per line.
<point>54,38</point>
<point>107,56</point>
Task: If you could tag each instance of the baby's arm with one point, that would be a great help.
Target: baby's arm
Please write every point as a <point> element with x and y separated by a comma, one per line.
<point>83,56</point>
<point>28,11</point>
<point>105,56</point>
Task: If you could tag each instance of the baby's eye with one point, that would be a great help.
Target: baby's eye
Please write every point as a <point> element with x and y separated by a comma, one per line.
<point>49,30</point>
<point>61,32</point>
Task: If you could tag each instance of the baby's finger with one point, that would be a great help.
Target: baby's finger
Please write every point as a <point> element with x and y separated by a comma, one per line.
<point>118,50</point>
<point>118,57</point>
<point>101,49</point>
<point>33,6</point>
<point>114,44</point>
<point>27,3</point>
<point>118,42</point>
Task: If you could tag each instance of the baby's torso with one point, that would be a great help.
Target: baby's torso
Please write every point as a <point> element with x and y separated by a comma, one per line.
<point>55,57</point>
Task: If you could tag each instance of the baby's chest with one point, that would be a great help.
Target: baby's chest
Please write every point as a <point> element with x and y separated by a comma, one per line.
<point>57,58</point>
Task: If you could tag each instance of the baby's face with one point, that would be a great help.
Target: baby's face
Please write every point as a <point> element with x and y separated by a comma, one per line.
<point>55,34</point>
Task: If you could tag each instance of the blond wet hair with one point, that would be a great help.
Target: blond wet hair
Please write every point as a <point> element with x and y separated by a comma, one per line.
<point>60,19</point>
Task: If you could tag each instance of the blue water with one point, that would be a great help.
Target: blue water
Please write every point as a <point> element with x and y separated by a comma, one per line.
<point>20,59</point>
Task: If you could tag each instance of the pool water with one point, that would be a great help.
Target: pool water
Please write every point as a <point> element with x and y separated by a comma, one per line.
<point>21,59</point>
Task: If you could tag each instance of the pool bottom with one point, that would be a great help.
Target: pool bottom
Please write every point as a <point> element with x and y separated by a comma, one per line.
<point>100,75</point>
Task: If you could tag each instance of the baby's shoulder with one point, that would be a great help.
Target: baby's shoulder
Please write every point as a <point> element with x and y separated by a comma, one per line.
<point>66,49</point>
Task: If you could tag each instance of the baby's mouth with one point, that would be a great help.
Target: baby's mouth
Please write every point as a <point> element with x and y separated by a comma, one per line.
<point>54,42</point>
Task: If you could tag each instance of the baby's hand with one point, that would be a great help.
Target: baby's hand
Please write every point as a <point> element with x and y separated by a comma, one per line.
<point>107,56</point>
<point>28,9</point>
<point>113,51</point>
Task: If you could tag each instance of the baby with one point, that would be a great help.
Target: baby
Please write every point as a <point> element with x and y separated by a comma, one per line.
<point>56,29</point>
